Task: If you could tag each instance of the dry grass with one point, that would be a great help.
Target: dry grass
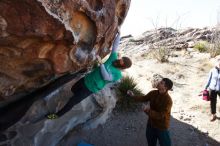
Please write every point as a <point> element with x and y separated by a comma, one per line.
<point>202,46</point>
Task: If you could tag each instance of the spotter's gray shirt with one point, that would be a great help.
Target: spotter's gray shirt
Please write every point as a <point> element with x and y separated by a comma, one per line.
<point>213,82</point>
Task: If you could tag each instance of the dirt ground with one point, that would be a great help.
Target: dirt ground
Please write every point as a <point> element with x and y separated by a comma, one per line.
<point>190,118</point>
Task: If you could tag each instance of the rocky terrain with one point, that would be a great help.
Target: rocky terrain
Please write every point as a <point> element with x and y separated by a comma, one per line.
<point>188,68</point>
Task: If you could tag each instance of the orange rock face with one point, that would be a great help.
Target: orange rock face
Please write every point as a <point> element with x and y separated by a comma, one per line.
<point>43,39</point>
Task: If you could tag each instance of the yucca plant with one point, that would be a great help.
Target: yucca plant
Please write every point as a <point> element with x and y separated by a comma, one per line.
<point>125,102</point>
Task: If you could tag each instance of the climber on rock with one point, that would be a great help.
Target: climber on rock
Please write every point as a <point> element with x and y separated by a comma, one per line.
<point>107,72</point>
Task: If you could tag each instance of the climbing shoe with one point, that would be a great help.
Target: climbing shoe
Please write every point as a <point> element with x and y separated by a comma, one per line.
<point>52,116</point>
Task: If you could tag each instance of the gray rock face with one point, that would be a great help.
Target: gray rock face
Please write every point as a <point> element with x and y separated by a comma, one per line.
<point>34,129</point>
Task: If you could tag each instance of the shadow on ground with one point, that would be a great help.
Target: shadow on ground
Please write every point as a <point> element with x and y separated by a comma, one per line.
<point>128,129</point>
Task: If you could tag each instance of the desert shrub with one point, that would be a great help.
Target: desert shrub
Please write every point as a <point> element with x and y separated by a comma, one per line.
<point>215,47</point>
<point>202,46</point>
<point>161,54</point>
<point>214,50</point>
<point>125,102</point>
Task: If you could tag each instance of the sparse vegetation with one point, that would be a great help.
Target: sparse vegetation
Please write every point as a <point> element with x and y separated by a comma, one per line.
<point>125,102</point>
<point>161,54</point>
<point>202,46</point>
<point>215,47</point>
<point>214,50</point>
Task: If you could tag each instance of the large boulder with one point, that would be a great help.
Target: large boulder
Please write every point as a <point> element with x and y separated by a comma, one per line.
<point>44,46</point>
<point>40,40</point>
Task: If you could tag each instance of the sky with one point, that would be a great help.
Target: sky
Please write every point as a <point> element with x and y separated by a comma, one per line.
<point>144,15</point>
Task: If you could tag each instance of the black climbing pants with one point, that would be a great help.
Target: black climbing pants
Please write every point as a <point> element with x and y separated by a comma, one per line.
<point>213,100</point>
<point>80,92</point>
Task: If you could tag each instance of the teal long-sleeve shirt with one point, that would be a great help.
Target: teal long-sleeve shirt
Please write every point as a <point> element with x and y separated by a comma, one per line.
<point>94,81</point>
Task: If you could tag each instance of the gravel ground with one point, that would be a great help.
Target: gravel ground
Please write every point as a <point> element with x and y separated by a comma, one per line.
<point>128,129</point>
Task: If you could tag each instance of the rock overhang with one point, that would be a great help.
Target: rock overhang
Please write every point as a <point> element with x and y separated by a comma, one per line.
<point>42,39</point>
